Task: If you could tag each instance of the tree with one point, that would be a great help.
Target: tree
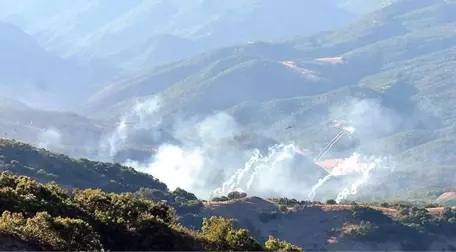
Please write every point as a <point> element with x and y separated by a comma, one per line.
<point>331,202</point>
<point>236,195</point>
<point>62,234</point>
<point>184,194</point>
<point>274,244</point>
<point>222,198</point>
<point>222,236</point>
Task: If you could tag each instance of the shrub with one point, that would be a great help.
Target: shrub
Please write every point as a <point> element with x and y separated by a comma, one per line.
<point>222,236</point>
<point>236,195</point>
<point>184,194</point>
<point>274,244</point>
<point>52,233</point>
<point>331,202</point>
<point>222,198</point>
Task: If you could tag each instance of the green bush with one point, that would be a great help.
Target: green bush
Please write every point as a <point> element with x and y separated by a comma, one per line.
<point>222,236</point>
<point>236,195</point>
<point>331,202</point>
<point>184,194</point>
<point>222,198</point>
<point>90,219</point>
<point>274,244</point>
<point>62,234</point>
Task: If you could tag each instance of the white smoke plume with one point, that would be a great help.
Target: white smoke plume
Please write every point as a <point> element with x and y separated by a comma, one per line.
<point>371,120</point>
<point>258,166</point>
<point>369,117</point>
<point>195,165</point>
<point>205,165</point>
<point>177,167</point>
<point>142,116</point>
<point>49,138</point>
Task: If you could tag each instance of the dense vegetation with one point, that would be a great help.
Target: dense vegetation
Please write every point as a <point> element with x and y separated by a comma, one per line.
<point>400,57</point>
<point>45,166</point>
<point>414,227</point>
<point>231,196</point>
<point>48,216</point>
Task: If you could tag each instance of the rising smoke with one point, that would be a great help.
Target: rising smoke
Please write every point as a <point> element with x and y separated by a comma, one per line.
<point>142,117</point>
<point>203,158</point>
<point>206,166</point>
<point>50,138</point>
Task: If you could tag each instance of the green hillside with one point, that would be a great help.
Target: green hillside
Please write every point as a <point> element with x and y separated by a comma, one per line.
<point>87,205</point>
<point>397,62</point>
<point>44,216</point>
<point>23,159</point>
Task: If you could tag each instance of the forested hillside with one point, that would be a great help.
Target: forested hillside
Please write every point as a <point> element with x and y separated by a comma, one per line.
<point>47,166</point>
<point>389,74</point>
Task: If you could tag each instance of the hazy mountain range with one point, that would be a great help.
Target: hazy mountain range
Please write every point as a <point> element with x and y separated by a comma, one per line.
<point>167,30</point>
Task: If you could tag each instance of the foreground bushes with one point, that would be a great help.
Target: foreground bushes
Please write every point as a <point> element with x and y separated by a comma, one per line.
<point>53,219</point>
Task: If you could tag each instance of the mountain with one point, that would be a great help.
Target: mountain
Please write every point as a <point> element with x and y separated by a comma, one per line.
<point>389,75</point>
<point>156,50</point>
<point>99,28</point>
<point>40,78</point>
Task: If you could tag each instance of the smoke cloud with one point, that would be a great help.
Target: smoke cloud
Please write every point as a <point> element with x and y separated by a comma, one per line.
<point>142,117</point>
<point>203,155</point>
<point>49,138</point>
<point>203,158</point>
